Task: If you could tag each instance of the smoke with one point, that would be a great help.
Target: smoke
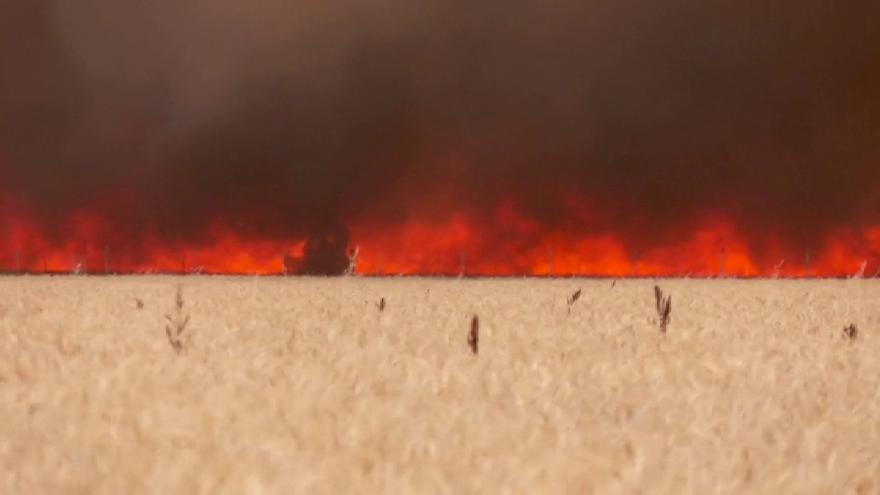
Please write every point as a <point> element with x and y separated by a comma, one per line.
<point>284,119</point>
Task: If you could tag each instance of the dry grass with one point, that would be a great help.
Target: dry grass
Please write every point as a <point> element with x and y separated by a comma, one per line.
<point>301,385</point>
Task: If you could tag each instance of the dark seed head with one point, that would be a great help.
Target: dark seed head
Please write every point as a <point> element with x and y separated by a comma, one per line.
<point>474,335</point>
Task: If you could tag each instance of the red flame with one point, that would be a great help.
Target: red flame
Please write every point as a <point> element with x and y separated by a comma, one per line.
<point>511,244</point>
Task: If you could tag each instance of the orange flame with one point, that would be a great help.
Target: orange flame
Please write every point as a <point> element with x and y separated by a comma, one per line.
<point>509,245</point>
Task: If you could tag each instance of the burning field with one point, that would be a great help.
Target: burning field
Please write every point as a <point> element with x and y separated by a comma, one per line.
<point>613,138</point>
<point>620,140</point>
<point>410,385</point>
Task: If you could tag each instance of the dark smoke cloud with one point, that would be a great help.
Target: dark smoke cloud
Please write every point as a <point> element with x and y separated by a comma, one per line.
<point>293,118</point>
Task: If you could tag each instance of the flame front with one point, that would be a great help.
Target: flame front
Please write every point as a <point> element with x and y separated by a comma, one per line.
<point>624,138</point>
<point>508,245</point>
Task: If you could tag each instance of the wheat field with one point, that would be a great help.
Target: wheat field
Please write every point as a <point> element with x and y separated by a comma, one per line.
<point>304,386</point>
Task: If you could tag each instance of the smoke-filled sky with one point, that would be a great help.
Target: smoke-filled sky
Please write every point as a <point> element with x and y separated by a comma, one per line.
<point>280,118</point>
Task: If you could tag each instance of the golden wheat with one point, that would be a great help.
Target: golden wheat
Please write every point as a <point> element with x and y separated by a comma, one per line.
<point>305,386</point>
